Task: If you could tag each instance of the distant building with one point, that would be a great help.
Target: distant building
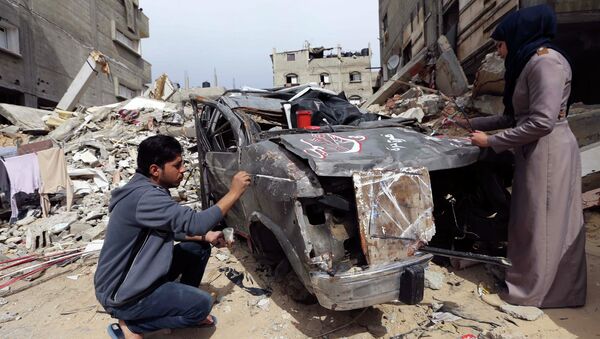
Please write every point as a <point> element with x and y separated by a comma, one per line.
<point>43,45</point>
<point>333,69</point>
<point>408,27</point>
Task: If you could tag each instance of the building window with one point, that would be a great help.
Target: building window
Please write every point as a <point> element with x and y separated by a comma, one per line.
<point>355,100</point>
<point>324,78</point>
<point>291,57</point>
<point>128,42</point>
<point>291,79</point>
<point>384,23</point>
<point>355,77</point>
<point>125,92</point>
<point>9,38</point>
<point>3,38</point>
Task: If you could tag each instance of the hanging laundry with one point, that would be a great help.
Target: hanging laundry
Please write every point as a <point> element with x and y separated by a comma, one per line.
<point>24,175</point>
<point>8,151</point>
<point>54,176</point>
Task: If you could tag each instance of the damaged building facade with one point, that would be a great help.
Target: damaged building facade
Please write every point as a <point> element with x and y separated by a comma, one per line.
<point>408,27</point>
<point>43,45</point>
<point>332,69</point>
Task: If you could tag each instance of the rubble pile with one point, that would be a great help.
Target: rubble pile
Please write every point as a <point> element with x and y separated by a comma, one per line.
<point>438,112</point>
<point>100,147</point>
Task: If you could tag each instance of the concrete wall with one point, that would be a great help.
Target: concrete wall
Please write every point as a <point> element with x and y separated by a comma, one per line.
<point>55,39</point>
<point>310,70</point>
<point>398,33</point>
<point>578,27</point>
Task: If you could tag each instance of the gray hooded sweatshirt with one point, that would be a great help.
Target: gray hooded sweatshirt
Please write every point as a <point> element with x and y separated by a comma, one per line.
<point>138,246</point>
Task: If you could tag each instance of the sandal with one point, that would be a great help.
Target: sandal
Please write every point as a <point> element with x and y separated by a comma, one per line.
<point>213,324</point>
<point>115,331</point>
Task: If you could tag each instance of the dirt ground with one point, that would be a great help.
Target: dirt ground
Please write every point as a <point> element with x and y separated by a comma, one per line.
<point>65,307</point>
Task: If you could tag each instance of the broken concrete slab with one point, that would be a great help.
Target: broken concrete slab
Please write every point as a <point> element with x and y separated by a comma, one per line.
<point>79,228</point>
<point>8,316</point>
<point>86,156</point>
<point>490,76</point>
<point>411,113</point>
<point>95,232</point>
<point>392,87</point>
<point>450,78</point>
<point>488,104</point>
<point>67,129</point>
<point>434,280</point>
<point>26,118</point>
<point>430,104</point>
<point>522,312</point>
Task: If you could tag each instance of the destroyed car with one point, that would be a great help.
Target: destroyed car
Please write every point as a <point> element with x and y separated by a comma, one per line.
<point>348,202</point>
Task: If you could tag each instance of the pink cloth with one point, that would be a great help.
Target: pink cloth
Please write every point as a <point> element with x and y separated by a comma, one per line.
<point>24,174</point>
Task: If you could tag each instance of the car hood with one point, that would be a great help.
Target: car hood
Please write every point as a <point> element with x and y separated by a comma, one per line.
<point>343,153</point>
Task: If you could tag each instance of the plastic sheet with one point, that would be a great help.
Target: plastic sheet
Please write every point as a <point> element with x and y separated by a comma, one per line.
<point>394,212</point>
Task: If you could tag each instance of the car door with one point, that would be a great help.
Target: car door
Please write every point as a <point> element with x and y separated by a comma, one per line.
<point>219,138</point>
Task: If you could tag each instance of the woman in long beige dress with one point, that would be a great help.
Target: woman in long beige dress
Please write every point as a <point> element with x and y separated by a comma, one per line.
<point>546,238</point>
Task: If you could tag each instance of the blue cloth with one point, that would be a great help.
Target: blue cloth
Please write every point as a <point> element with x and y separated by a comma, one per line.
<point>524,31</point>
<point>8,151</point>
<point>172,305</point>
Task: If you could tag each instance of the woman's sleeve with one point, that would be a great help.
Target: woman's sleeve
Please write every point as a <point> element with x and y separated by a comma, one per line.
<point>492,122</point>
<point>545,81</point>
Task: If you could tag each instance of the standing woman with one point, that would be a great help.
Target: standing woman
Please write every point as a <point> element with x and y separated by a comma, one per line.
<point>546,238</point>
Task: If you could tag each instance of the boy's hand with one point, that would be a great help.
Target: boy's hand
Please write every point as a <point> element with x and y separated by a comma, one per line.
<point>239,183</point>
<point>215,238</point>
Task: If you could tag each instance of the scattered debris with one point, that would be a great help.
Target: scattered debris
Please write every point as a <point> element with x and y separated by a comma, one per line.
<point>263,304</point>
<point>433,280</point>
<point>522,312</point>
<point>501,333</point>
<point>221,256</point>
<point>8,316</point>
<point>438,317</point>
<point>489,79</point>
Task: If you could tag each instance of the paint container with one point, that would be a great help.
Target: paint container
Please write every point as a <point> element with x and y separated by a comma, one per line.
<point>228,235</point>
<point>303,118</point>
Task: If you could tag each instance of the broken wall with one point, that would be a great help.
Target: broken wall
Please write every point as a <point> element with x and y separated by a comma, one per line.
<point>55,41</point>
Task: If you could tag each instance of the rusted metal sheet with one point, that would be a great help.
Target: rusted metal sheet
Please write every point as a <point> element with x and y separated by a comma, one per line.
<point>394,212</point>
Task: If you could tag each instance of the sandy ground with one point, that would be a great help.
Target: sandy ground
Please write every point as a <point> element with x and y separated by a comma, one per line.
<point>65,308</point>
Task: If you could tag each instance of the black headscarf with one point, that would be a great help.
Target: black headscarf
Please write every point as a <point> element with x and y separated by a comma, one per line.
<point>524,31</point>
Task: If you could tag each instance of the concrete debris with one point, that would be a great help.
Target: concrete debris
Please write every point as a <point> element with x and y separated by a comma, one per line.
<point>8,316</point>
<point>222,256</point>
<point>263,304</point>
<point>501,333</point>
<point>411,113</point>
<point>26,118</point>
<point>522,312</point>
<point>86,156</point>
<point>3,301</point>
<point>490,76</point>
<point>434,280</point>
<point>95,232</point>
<point>446,317</point>
<point>488,104</point>
<point>450,78</point>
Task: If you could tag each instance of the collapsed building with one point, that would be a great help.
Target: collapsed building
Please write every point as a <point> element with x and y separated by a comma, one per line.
<point>43,45</point>
<point>331,68</point>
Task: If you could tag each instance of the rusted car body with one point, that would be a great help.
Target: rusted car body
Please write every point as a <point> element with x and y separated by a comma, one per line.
<point>347,206</point>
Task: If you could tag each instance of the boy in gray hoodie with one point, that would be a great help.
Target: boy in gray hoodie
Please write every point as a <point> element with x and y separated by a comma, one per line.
<point>139,262</point>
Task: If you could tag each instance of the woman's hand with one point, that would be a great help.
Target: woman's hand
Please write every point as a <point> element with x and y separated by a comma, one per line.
<point>479,138</point>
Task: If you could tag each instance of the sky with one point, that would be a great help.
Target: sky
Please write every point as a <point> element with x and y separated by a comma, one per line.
<point>237,37</point>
